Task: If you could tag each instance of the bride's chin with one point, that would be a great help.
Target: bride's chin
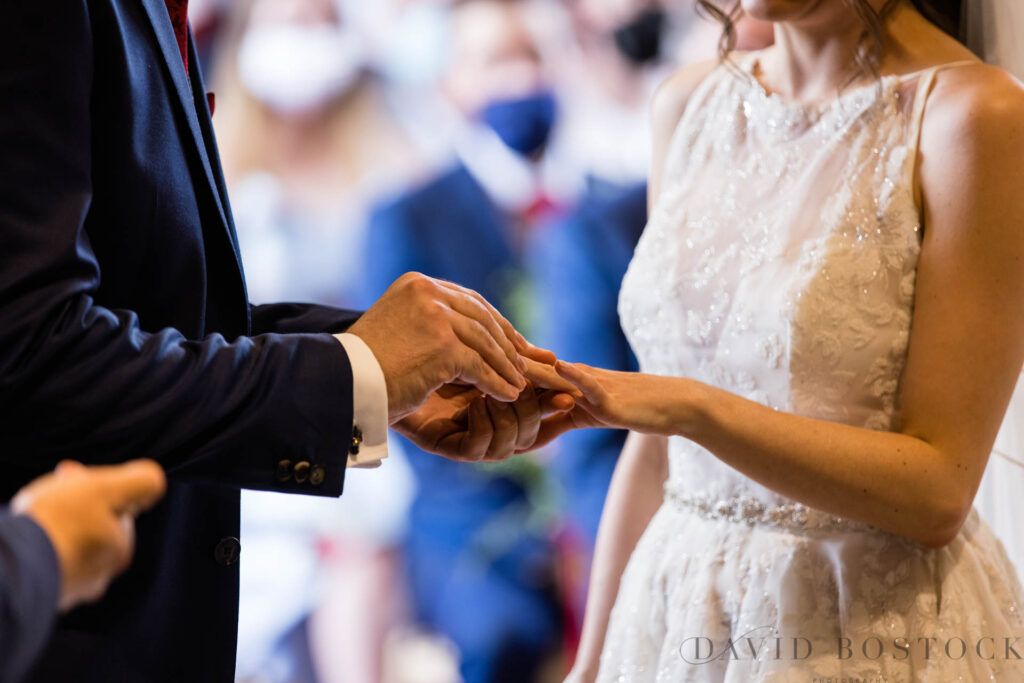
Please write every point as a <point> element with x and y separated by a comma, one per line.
<point>781,10</point>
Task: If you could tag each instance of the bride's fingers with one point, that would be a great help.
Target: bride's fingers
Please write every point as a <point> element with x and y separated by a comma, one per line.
<point>591,388</point>
<point>545,377</point>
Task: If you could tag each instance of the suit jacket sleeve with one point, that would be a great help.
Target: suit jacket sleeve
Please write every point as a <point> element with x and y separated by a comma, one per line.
<point>78,379</point>
<point>29,591</point>
<point>296,318</point>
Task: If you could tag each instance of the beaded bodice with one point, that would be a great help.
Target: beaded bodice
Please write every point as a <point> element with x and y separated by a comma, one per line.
<point>779,262</point>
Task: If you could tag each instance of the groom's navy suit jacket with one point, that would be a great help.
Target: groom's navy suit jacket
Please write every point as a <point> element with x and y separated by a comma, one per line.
<point>125,329</point>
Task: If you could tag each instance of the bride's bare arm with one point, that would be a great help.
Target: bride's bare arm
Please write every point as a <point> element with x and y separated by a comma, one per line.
<point>633,498</point>
<point>965,353</point>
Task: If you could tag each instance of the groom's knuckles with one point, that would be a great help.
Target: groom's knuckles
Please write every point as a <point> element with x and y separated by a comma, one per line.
<point>417,284</point>
<point>491,311</point>
<point>405,278</point>
<point>435,313</point>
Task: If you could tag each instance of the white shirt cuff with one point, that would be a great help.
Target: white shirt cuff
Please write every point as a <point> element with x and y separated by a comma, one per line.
<point>369,404</point>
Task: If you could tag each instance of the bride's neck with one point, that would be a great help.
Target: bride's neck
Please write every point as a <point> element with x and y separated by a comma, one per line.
<point>815,55</point>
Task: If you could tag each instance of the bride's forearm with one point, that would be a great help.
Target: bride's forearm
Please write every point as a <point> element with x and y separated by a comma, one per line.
<point>633,498</point>
<point>920,487</point>
<point>890,480</point>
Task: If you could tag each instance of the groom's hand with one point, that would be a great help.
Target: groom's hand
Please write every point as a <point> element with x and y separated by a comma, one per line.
<point>462,424</point>
<point>427,333</point>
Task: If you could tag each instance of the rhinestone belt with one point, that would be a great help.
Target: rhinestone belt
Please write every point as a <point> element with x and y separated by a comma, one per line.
<point>752,511</point>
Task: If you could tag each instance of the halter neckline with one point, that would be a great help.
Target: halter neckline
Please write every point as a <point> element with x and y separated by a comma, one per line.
<point>752,61</point>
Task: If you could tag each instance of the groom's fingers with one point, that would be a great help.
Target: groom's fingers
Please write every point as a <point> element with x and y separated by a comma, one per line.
<point>471,308</point>
<point>474,337</point>
<point>527,349</point>
<point>555,402</point>
<point>551,428</point>
<point>506,431</point>
<point>476,371</point>
<point>477,438</point>
<point>540,355</point>
<point>518,340</point>
<point>528,414</point>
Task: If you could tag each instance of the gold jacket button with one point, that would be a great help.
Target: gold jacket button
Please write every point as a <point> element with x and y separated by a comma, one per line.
<point>317,475</point>
<point>302,472</point>
<point>284,470</point>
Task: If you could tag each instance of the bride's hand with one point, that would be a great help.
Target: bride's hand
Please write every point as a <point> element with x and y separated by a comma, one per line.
<point>544,377</point>
<point>648,404</point>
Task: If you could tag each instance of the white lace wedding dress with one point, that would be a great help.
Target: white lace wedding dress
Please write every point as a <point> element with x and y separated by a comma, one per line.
<point>779,264</point>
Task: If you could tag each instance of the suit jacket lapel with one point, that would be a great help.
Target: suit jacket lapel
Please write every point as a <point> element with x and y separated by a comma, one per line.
<point>158,16</point>
<point>211,155</point>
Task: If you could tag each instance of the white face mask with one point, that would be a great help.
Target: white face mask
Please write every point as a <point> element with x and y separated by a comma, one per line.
<point>415,44</point>
<point>296,69</point>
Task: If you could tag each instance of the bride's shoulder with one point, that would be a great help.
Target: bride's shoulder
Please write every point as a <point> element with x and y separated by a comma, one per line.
<point>667,108</point>
<point>972,146</point>
<point>973,104</point>
<point>673,95</point>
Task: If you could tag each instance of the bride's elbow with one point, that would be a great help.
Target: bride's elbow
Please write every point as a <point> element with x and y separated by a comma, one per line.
<point>937,538</point>
<point>944,522</point>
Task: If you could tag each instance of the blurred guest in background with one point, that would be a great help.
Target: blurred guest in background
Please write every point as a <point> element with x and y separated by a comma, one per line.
<point>307,142</point>
<point>480,573</point>
<point>607,76</point>
<point>623,50</point>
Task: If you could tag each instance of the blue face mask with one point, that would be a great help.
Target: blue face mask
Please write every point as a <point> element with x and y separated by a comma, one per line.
<point>523,124</point>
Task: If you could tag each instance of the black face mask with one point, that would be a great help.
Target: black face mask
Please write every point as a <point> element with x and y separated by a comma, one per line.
<point>639,40</point>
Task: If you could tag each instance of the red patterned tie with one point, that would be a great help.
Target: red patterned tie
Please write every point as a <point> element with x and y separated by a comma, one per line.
<point>178,9</point>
